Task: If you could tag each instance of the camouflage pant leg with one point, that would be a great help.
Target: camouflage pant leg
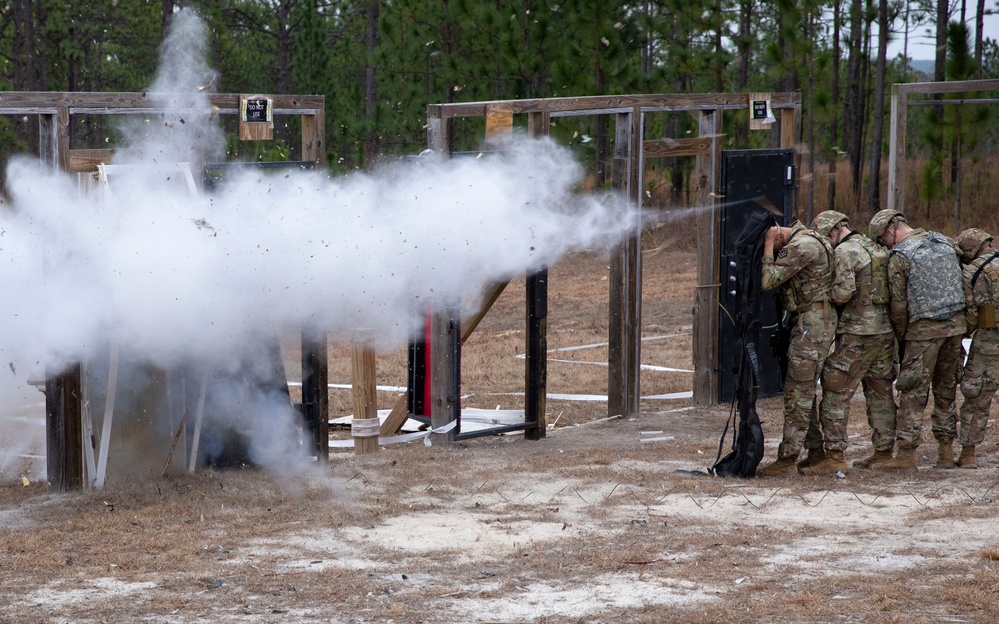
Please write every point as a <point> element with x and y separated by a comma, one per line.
<point>880,394</point>
<point>944,384</point>
<point>858,358</point>
<point>979,385</point>
<point>809,347</point>
<point>914,377</point>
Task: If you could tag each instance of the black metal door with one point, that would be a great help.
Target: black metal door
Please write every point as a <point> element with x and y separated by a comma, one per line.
<point>746,176</point>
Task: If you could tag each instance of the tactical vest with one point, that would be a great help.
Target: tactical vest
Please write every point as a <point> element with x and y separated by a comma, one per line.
<point>805,289</point>
<point>935,289</point>
<point>987,309</point>
<point>873,289</point>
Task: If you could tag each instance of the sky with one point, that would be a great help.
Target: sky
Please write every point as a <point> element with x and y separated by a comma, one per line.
<point>922,46</point>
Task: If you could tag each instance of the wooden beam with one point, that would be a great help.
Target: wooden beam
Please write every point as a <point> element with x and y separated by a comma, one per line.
<point>705,310</point>
<point>84,160</point>
<point>668,148</point>
<point>985,101</point>
<point>613,104</point>
<point>490,294</point>
<point>955,86</point>
<point>896,150</point>
<point>113,102</point>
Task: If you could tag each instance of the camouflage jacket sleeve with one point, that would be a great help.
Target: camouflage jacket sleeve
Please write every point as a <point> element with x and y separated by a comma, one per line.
<point>792,258</point>
<point>898,286</point>
<point>845,284</point>
<point>970,306</point>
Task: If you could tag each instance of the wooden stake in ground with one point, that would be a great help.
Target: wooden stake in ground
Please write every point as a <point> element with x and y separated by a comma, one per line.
<point>365,425</point>
<point>102,460</point>
<point>173,445</point>
<point>199,416</point>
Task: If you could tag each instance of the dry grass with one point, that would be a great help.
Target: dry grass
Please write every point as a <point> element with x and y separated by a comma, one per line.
<point>587,525</point>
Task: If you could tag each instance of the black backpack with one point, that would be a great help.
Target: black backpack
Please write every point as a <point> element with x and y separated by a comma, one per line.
<point>747,441</point>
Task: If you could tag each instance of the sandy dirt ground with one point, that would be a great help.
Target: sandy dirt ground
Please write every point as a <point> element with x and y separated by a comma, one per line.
<point>604,520</point>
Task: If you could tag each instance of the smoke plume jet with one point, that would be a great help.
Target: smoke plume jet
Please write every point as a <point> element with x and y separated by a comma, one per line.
<point>174,277</point>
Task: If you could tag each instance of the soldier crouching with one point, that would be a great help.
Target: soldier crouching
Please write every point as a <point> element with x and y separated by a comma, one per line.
<point>865,346</point>
<point>926,309</point>
<point>979,383</point>
<point>803,268</point>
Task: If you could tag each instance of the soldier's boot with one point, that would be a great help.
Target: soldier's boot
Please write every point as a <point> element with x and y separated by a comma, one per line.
<point>967,458</point>
<point>879,457</point>
<point>905,459</point>
<point>945,453</point>
<point>832,463</point>
<point>813,456</point>
<point>783,466</point>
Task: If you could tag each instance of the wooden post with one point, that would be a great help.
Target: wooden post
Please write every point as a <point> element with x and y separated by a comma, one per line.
<point>63,393</point>
<point>445,336</point>
<point>315,388</point>
<point>499,121</point>
<point>445,367</point>
<point>615,356</point>
<point>365,425</point>
<point>624,316</point>
<point>64,430</point>
<point>705,312</point>
<point>896,149</point>
<point>315,355</point>
<point>790,122</point>
<point>438,132</point>
<point>536,366</point>
<point>632,339</point>
<point>313,139</point>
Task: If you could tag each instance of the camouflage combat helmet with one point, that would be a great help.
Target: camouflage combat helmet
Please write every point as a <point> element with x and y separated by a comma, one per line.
<point>828,221</point>
<point>881,221</point>
<point>971,242</point>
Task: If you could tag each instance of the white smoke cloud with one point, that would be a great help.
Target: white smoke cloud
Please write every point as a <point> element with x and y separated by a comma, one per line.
<point>176,278</point>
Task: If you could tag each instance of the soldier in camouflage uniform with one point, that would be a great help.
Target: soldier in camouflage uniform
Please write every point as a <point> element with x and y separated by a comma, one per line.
<point>927,314</point>
<point>803,268</point>
<point>981,372</point>
<point>865,346</point>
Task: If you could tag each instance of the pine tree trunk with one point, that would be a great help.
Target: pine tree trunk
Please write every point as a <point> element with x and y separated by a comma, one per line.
<point>874,186</point>
<point>853,118</point>
<point>979,28</point>
<point>371,143</point>
<point>834,116</point>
